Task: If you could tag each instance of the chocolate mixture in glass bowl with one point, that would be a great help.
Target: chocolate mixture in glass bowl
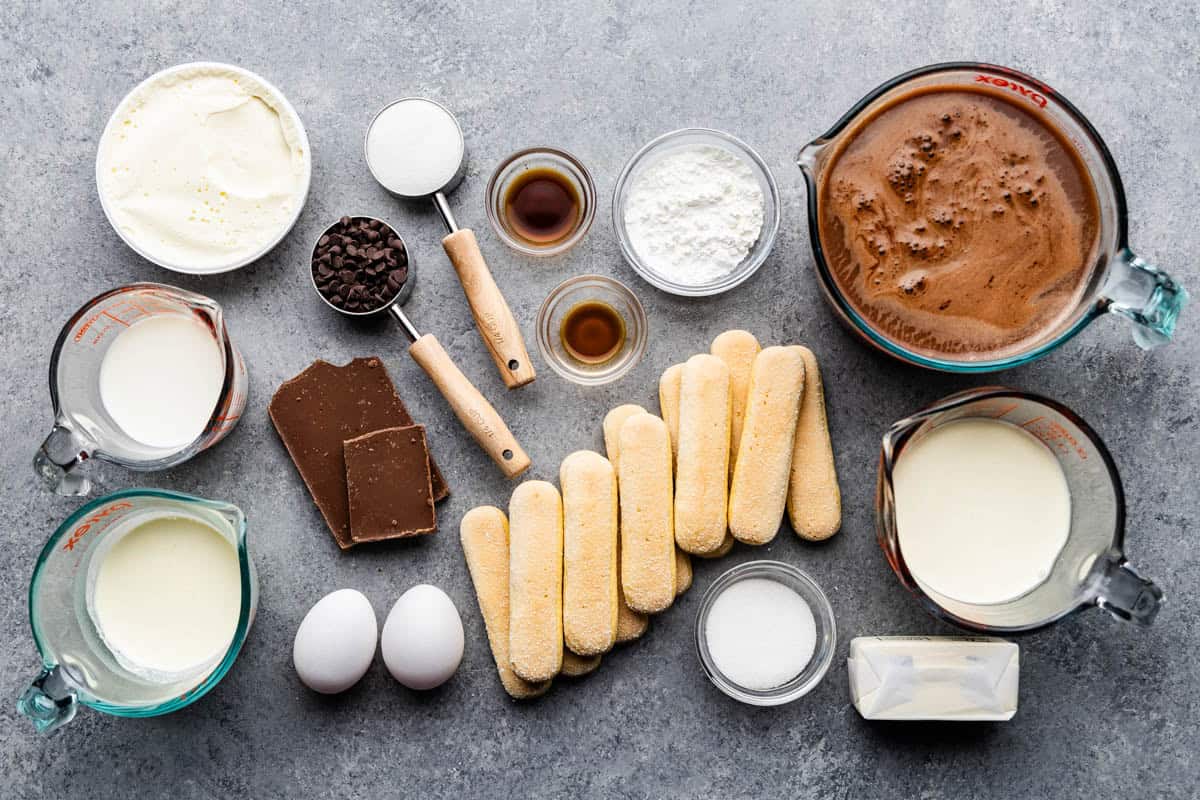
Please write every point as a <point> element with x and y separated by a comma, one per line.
<point>957,223</point>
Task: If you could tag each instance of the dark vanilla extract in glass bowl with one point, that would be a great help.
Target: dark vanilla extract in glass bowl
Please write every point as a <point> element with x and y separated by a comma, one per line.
<point>591,330</point>
<point>541,201</point>
<point>541,206</point>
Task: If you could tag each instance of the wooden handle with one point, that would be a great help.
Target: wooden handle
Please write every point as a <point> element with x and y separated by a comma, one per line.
<point>471,407</point>
<point>492,316</point>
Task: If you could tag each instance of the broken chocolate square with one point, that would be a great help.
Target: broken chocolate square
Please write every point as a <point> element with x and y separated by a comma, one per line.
<point>324,406</point>
<point>388,484</point>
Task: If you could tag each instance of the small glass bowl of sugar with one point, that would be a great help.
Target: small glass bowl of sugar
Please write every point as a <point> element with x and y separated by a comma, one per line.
<point>765,633</point>
<point>696,212</point>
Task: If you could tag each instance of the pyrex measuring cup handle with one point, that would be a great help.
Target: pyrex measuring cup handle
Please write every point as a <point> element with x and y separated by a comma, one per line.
<point>492,315</point>
<point>1127,595</point>
<point>1144,294</point>
<point>50,701</point>
<point>62,452</point>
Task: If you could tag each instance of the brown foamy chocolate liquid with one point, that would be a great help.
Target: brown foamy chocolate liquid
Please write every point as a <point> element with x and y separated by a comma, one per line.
<point>958,224</point>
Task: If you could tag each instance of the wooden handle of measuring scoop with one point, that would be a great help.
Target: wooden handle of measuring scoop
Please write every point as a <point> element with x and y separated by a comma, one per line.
<point>472,408</point>
<point>492,316</point>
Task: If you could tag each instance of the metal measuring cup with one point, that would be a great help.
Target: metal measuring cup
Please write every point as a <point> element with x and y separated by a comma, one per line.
<point>473,410</point>
<point>398,123</point>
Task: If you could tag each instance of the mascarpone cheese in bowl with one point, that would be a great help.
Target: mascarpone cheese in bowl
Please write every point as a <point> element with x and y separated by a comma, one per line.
<point>203,167</point>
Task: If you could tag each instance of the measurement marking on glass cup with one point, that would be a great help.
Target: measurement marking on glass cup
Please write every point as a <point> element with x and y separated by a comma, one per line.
<point>86,525</point>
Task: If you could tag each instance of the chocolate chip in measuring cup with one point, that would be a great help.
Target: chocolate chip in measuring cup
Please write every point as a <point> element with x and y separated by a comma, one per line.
<point>359,264</point>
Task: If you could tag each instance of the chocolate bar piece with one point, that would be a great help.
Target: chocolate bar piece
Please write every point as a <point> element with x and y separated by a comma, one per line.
<point>322,407</point>
<point>388,484</point>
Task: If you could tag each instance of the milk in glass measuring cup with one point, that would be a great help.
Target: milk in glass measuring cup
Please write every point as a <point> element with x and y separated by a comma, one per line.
<point>1026,579</point>
<point>144,376</point>
<point>139,604</point>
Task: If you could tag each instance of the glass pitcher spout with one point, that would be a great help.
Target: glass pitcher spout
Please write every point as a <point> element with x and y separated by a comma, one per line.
<point>56,461</point>
<point>806,158</point>
<point>50,701</point>
<point>1145,295</point>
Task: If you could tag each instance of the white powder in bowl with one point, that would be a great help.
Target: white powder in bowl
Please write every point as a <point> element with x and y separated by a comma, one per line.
<point>694,214</point>
<point>760,633</point>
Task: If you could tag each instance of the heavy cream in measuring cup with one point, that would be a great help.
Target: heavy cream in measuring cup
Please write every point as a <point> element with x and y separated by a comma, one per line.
<point>166,596</point>
<point>982,510</point>
<point>161,379</point>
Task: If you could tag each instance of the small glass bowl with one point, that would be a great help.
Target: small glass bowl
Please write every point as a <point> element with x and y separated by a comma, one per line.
<point>798,581</point>
<point>689,137</point>
<point>583,289</point>
<point>561,162</point>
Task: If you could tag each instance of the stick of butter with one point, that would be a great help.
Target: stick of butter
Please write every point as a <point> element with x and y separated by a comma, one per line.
<point>933,677</point>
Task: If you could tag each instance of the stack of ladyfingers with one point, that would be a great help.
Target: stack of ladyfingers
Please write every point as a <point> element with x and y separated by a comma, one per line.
<point>742,439</point>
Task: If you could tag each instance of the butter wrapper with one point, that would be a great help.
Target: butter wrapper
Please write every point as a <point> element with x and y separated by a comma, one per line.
<point>933,678</point>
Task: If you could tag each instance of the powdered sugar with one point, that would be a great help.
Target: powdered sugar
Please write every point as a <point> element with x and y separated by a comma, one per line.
<point>694,214</point>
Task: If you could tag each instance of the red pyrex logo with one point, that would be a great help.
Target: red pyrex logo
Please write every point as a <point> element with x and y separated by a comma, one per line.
<point>85,526</point>
<point>1016,87</point>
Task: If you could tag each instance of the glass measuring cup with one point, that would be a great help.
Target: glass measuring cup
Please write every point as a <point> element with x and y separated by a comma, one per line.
<point>83,428</point>
<point>77,666</point>
<point>1119,282</point>
<point>1090,570</point>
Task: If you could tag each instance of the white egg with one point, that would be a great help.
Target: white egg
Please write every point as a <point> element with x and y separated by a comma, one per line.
<point>336,642</point>
<point>422,639</point>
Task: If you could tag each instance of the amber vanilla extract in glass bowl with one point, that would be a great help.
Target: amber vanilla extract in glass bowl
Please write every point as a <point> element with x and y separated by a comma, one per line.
<point>541,201</point>
<point>591,330</point>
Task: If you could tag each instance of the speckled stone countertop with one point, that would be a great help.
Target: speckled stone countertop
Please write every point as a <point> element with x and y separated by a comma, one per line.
<point>1106,709</point>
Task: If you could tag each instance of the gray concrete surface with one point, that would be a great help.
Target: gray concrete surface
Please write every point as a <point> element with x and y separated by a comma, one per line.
<point>1106,710</point>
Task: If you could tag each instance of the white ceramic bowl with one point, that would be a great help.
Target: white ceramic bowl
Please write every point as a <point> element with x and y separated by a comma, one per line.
<point>690,137</point>
<point>282,107</point>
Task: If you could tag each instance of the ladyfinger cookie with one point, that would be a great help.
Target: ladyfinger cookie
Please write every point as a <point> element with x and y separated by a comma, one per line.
<point>737,349</point>
<point>683,572</point>
<point>702,471</point>
<point>647,535</point>
<point>723,550</point>
<point>484,534</point>
<point>575,666</point>
<point>613,421</point>
<point>589,498</point>
<point>630,624</point>
<point>814,501</point>
<point>535,569</point>
<point>668,402</point>
<point>759,491</point>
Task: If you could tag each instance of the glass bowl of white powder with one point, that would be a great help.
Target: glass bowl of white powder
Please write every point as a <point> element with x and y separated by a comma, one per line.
<point>765,633</point>
<point>696,212</point>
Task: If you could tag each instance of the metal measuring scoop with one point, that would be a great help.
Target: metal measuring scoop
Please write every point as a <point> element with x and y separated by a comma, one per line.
<point>415,149</point>
<point>473,410</point>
